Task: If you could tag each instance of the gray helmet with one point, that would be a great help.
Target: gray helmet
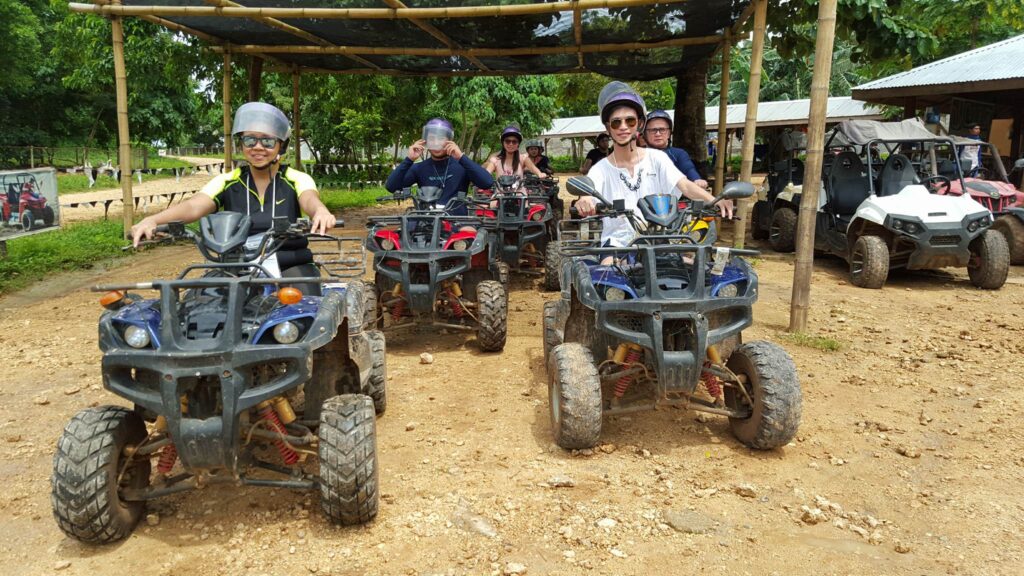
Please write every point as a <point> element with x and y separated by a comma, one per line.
<point>534,143</point>
<point>261,117</point>
<point>655,114</point>
<point>619,94</point>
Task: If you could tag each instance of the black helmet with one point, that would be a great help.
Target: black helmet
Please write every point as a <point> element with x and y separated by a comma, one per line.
<point>662,115</point>
<point>616,94</point>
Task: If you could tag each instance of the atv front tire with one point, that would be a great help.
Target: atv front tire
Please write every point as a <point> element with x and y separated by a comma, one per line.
<point>869,262</point>
<point>376,385</point>
<point>1013,229</point>
<point>782,231</point>
<point>492,309</point>
<point>85,493</point>
<point>552,265</point>
<point>48,216</point>
<point>990,260</point>
<point>28,220</point>
<point>773,385</point>
<point>574,396</point>
<point>348,460</point>
<point>756,229</point>
<point>372,316</point>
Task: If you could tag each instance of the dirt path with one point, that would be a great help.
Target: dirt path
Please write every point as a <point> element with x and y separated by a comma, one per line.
<point>910,447</point>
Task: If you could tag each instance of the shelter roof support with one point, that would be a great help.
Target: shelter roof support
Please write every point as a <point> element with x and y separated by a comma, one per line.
<point>723,109</point>
<point>801,298</point>
<point>227,112</point>
<point>750,127</point>
<point>124,142</point>
<point>296,125</point>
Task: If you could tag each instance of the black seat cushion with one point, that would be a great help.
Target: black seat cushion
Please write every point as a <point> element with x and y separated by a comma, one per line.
<point>848,186</point>
<point>897,173</point>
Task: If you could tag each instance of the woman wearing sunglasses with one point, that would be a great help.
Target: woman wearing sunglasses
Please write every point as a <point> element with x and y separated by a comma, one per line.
<point>630,172</point>
<point>263,189</point>
<point>508,161</point>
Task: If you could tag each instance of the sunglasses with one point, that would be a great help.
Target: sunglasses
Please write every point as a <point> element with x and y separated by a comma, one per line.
<point>268,142</point>
<point>617,122</point>
<point>510,141</point>
<point>657,130</point>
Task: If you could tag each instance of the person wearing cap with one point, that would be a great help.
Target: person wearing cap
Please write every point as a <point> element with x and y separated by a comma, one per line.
<point>658,132</point>
<point>447,167</point>
<point>535,150</point>
<point>596,154</point>
<point>263,188</point>
<point>629,173</point>
<point>508,161</point>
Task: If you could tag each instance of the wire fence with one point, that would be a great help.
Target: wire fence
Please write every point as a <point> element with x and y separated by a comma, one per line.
<point>63,157</point>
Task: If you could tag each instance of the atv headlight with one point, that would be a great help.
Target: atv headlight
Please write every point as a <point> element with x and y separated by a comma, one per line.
<point>973,226</point>
<point>286,332</point>
<point>136,337</point>
<point>387,244</point>
<point>911,228</point>
<point>538,216</point>
<point>729,290</point>
<point>460,245</point>
<point>612,294</point>
<point>897,224</point>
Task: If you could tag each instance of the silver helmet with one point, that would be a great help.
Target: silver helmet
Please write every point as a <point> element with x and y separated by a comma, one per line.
<point>261,117</point>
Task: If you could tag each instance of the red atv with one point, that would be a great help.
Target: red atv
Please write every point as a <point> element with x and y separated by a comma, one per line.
<point>993,190</point>
<point>22,203</point>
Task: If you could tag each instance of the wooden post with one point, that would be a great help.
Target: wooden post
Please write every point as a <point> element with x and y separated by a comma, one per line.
<point>750,125</point>
<point>295,120</point>
<point>801,298</point>
<point>255,77</point>
<point>228,164</point>
<point>124,144</point>
<point>723,109</point>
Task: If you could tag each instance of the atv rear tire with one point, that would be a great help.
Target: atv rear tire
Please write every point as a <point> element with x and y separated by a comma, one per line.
<point>90,456</point>
<point>348,460</point>
<point>552,265</point>
<point>48,216</point>
<point>492,311</point>
<point>371,303</point>
<point>782,232</point>
<point>869,262</point>
<point>552,335</point>
<point>990,260</point>
<point>756,230</point>
<point>376,384</point>
<point>773,385</point>
<point>1013,229</point>
<point>574,397</point>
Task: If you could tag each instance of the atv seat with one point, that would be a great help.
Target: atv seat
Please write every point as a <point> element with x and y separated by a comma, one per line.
<point>947,168</point>
<point>847,187</point>
<point>897,173</point>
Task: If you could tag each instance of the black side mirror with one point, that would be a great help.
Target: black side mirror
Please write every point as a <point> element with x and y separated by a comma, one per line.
<point>584,186</point>
<point>737,190</point>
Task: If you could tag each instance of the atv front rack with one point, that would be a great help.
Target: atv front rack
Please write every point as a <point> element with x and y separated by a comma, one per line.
<point>339,257</point>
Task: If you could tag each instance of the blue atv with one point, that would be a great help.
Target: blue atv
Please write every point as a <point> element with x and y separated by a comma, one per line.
<point>435,268</point>
<point>238,372</point>
<point>658,323</point>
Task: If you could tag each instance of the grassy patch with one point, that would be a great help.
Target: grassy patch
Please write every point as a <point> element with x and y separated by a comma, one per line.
<point>79,246</point>
<point>811,341</point>
<point>336,199</point>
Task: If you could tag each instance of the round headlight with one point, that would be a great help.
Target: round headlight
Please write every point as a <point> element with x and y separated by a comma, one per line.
<point>538,216</point>
<point>897,224</point>
<point>729,290</point>
<point>460,245</point>
<point>614,294</point>
<point>136,337</point>
<point>387,244</point>
<point>973,226</point>
<point>286,332</point>
<point>910,227</point>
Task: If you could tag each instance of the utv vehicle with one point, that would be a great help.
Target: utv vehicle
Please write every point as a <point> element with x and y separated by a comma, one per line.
<point>879,210</point>
<point>658,323</point>
<point>22,204</point>
<point>436,268</point>
<point>234,372</point>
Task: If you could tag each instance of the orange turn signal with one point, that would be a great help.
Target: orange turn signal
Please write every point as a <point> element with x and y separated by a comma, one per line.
<point>289,295</point>
<point>112,300</point>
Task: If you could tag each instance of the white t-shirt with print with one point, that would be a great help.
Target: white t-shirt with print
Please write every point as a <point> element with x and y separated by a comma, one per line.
<point>657,174</point>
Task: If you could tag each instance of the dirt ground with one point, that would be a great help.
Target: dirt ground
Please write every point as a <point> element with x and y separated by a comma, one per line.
<point>908,459</point>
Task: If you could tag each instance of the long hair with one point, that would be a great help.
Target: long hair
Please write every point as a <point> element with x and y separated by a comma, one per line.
<point>515,159</point>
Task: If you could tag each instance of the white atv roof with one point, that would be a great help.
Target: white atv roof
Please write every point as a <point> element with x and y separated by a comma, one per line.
<point>860,132</point>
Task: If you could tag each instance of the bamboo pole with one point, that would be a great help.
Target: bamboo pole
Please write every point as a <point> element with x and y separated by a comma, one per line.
<point>723,113</point>
<point>226,107</point>
<point>396,72</point>
<point>437,34</point>
<point>363,13</point>
<point>124,143</point>
<point>470,52</point>
<point>255,78</point>
<point>801,297</point>
<point>577,32</point>
<point>296,125</point>
<point>750,126</point>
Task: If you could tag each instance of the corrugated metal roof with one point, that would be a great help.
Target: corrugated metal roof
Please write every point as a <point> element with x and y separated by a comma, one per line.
<point>784,113</point>
<point>999,61</point>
